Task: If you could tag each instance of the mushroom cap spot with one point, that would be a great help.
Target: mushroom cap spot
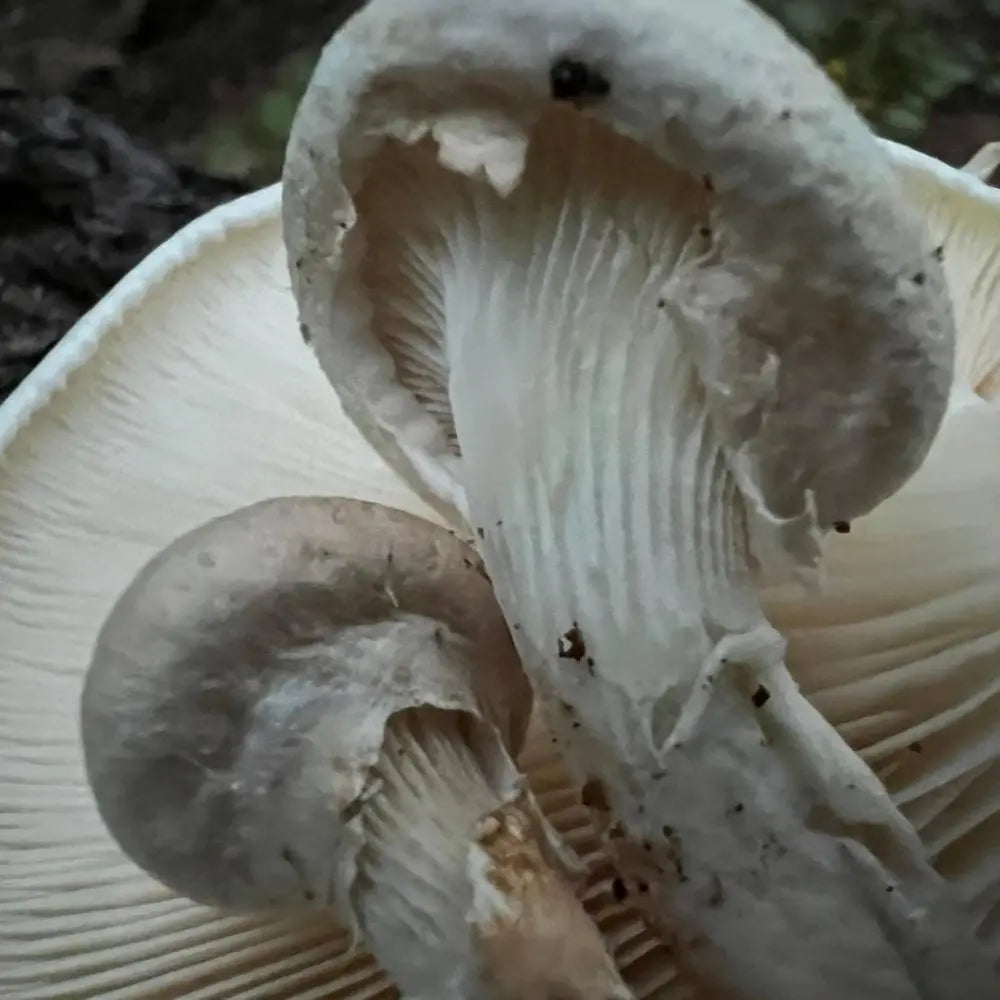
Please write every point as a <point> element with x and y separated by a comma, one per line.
<point>240,688</point>
<point>827,367</point>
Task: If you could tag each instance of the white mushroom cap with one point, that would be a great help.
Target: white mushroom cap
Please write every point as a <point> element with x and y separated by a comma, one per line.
<point>160,387</point>
<point>240,691</point>
<point>436,195</point>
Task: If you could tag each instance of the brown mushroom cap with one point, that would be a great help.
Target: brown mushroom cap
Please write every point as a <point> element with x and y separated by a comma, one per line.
<point>239,690</point>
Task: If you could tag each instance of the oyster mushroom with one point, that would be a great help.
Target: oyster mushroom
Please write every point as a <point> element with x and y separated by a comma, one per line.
<point>95,479</point>
<point>630,288</point>
<point>311,703</point>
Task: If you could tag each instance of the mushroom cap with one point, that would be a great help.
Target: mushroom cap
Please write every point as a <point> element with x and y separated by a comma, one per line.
<point>430,169</point>
<point>162,386</point>
<point>239,690</point>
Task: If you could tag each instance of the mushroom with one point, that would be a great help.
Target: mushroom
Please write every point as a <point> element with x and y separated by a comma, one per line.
<point>313,703</point>
<point>631,289</point>
<point>161,386</point>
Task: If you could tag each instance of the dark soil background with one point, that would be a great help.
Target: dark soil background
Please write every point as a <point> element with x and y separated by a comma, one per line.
<point>117,120</point>
<point>120,120</point>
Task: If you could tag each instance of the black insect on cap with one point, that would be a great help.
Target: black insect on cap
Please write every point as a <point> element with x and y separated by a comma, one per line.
<point>571,79</point>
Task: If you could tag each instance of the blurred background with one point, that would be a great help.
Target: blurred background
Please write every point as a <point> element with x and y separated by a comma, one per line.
<point>120,120</point>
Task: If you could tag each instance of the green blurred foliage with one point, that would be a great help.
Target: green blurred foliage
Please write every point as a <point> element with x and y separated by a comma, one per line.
<point>249,142</point>
<point>897,59</point>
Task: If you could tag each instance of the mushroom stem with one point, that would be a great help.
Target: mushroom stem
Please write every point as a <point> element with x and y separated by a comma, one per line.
<point>455,869</point>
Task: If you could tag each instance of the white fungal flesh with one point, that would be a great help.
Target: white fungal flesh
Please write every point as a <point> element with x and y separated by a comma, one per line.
<point>635,542</point>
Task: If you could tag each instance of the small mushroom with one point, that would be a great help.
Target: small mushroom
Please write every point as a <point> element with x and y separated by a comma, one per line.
<point>314,703</point>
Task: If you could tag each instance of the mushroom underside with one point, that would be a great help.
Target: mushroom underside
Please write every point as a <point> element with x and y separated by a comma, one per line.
<point>95,474</point>
<point>590,234</point>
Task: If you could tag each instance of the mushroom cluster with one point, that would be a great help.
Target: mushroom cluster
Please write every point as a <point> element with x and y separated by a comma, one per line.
<point>626,296</point>
<point>631,291</point>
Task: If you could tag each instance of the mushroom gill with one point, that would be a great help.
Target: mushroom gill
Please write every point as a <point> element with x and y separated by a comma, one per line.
<point>577,240</point>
